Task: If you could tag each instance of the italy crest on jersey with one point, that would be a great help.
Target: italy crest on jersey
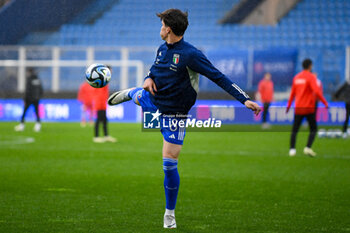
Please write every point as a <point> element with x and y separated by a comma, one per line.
<point>176,58</point>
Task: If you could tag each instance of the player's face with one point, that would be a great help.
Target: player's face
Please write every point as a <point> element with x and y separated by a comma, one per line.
<point>164,31</point>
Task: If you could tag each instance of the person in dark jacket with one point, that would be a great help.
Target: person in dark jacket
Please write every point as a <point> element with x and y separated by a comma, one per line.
<point>33,93</point>
<point>343,93</point>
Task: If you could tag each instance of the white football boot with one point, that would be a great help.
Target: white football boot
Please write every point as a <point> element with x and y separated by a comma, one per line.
<point>169,221</point>
<point>19,127</point>
<point>265,126</point>
<point>292,152</point>
<point>119,97</point>
<point>98,139</point>
<point>308,151</point>
<point>110,139</point>
<point>37,127</point>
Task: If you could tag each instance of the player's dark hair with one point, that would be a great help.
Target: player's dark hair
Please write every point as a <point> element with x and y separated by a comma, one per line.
<point>175,19</point>
<point>307,63</point>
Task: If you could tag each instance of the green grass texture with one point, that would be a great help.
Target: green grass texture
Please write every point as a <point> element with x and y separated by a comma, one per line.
<point>58,180</point>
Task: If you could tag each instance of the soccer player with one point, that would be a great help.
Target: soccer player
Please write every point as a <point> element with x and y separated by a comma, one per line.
<point>265,89</point>
<point>171,87</point>
<point>305,90</point>
<point>85,96</point>
<point>33,93</point>
<point>100,97</point>
<point>320,86</point>
<point>343,93</point>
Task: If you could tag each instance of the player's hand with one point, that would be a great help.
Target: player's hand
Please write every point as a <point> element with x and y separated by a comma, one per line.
<point>253,106</point>
<point>150,86</point>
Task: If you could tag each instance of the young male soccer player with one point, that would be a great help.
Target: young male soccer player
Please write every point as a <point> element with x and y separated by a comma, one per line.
<point>100,97</point>
<point>343,93</point>
<point>265,89</point>
<point>33,93</point>
<point>305,91</point>
<point>171,87</point>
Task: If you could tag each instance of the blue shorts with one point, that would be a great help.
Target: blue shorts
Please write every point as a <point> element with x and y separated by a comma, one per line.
<point>170,134</point>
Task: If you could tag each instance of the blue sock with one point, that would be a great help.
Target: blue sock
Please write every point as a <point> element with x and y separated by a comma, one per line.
<point>171,182</point>
<point>133,92</point>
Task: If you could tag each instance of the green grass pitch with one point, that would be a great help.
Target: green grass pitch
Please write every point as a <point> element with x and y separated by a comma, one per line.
<point>230,182</point>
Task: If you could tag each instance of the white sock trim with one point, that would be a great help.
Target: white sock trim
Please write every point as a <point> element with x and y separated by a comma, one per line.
<point>169,212</point>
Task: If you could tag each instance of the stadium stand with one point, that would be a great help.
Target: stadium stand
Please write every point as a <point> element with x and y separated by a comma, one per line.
<point>318,28</point>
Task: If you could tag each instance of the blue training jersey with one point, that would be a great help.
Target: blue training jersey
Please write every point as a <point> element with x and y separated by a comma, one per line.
<point>176,74</point>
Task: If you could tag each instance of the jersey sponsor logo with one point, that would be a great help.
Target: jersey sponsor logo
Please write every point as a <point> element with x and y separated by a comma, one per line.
<point>139,94</point>
<point>300,81</point>
<point>35,82</point>
<point>176,58</point>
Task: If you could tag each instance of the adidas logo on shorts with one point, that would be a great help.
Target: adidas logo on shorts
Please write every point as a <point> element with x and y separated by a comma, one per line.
<point>172,136</point>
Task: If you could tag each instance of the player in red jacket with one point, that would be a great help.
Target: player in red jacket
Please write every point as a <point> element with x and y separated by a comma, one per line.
<point>85,96</point>
<point>100,97</point>
<point>304,91</point>
<point>265,89</point>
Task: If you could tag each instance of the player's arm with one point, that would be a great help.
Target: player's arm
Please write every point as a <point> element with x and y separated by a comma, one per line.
<point>291,97</point>
<point>317,91</point>
<point>339,91</point>
<point>148,84</point>
<point>200,64</point>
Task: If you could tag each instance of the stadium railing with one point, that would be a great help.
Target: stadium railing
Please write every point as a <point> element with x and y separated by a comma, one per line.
<point>52,61</point>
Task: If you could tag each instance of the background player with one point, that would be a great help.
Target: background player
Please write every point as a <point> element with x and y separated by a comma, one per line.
<point>171,87</point>
<point>343,93</point>
<point>100,97</point>
<point>305,91</point>
<point>33,93</point>
<point>265,90</point>
<point>85,96</point>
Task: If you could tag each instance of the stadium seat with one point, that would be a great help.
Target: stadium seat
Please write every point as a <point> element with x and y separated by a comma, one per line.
<point>312,25</point>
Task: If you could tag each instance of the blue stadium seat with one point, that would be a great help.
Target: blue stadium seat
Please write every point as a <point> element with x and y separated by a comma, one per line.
<point>313,25</point>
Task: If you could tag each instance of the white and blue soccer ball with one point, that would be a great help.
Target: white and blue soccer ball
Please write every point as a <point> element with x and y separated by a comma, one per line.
<point>322,133</point>
<point>98,75</point>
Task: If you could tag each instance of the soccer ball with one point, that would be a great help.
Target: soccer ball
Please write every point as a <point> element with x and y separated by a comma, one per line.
<point>322,133</point>
<point>98,75</point>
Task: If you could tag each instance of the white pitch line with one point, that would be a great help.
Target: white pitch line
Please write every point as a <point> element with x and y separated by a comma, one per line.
<point>196,152</point>
<point>16,140</point>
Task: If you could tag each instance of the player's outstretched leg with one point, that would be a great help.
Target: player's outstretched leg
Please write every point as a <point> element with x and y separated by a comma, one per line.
<point>171,181</point>
<point>296,125</point>
<point>313,131</point>
<point>122,96</point>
